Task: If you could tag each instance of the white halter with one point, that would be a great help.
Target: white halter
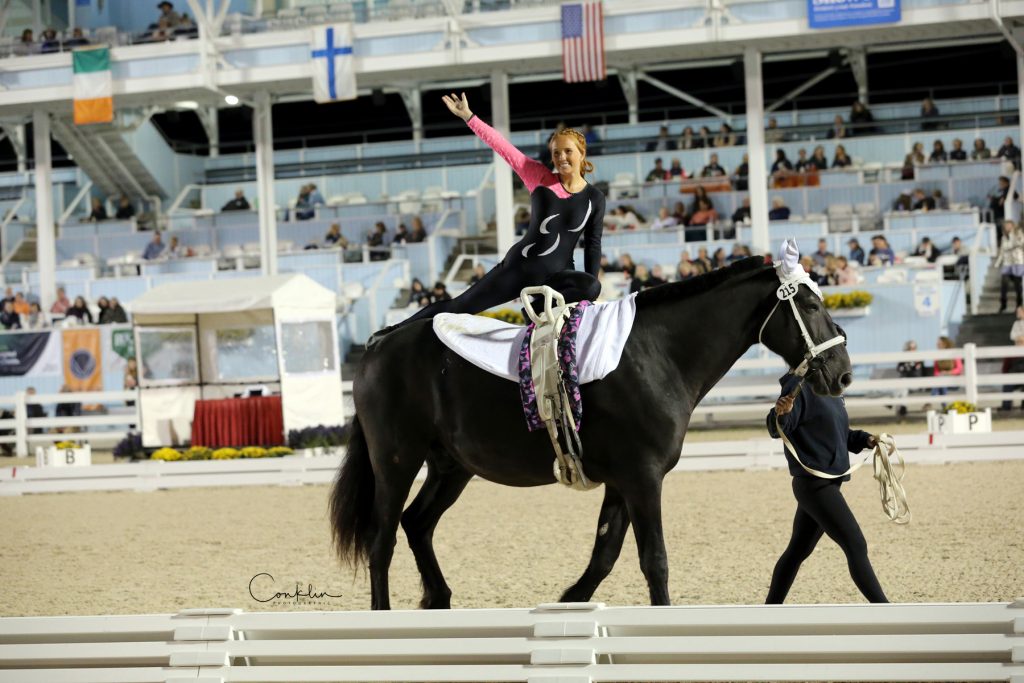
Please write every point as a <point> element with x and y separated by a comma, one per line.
<point>792,275</point>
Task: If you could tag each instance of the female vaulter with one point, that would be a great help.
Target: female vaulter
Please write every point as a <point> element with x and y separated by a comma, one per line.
<point>564,207</point>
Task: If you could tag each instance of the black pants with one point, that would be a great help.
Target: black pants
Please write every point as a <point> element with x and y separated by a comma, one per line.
<point>1005,282</point>
<point>504,283</point>
<point>821,508</point>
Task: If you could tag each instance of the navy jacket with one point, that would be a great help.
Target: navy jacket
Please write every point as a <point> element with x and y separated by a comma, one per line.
<point>819,429</point>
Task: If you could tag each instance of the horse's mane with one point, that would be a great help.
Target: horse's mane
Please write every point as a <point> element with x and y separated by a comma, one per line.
<point>674,291</point>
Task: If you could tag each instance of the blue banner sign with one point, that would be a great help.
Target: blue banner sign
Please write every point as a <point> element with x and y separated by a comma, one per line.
<point>837,13</point>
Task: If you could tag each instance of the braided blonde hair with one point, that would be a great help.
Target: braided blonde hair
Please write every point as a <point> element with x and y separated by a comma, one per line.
<point>581,142</point>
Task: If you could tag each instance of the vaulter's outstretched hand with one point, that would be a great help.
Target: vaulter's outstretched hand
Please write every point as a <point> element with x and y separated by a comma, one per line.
<point>458,106</point>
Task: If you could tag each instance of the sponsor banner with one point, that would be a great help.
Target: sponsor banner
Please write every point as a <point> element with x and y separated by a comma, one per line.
<point>21,353</point>
<point>83,362</point>
<point>839,13</point>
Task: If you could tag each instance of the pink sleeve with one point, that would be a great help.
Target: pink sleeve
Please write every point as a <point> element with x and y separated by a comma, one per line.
<point>958,366</point>
<point>532,172</point>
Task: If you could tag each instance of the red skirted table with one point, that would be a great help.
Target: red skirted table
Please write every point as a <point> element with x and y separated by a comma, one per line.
<point>238,422</point>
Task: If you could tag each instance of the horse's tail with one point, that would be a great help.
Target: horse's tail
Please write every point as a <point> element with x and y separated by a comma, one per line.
<point>352,500</point>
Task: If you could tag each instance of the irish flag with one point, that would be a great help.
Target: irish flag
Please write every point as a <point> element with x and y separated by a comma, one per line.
<point>93,85</point>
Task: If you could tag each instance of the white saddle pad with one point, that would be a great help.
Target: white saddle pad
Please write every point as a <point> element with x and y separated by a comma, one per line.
<point>493,345</point>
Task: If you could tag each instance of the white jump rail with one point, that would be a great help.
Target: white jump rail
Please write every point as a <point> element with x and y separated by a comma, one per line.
<point>749,454</point>
<point>557,643</point>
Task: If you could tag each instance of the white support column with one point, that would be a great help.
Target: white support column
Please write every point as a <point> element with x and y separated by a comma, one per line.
<point>46,244</point>
<point>858,59</point>
<point>414,105</point>
<point>503,205</point>
<point>16,134</point>
<point>758,168</point>
<point>628,82</point>
<point>263,136</point>
<point>971,373</point>
<point>211,126</point>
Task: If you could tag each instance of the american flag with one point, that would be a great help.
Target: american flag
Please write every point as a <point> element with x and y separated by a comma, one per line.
<point>582,42</point>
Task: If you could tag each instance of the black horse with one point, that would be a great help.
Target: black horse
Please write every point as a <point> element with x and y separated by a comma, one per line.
<point>417,401</point>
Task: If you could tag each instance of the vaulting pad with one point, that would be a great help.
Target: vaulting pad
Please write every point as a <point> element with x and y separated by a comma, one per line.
<point>493,345</point>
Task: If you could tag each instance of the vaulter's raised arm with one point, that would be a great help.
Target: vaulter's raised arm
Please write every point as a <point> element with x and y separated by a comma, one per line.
<point>531,171</point>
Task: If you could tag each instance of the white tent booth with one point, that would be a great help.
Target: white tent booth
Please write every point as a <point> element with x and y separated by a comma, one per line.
<point>232,338</point>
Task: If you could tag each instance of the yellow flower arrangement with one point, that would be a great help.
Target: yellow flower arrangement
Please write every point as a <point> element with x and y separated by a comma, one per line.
<point>65,445</point>
<point>962,407</point>
<point>225,454</point>
<point>253,452</point>
<point>278,451</point>
<point>198,453</point>
<point>506,314</point>
<point>855,299</point>
<point>167,454</point>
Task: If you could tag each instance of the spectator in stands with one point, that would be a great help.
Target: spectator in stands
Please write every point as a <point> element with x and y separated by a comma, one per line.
<point>686,271</point>
<point>940,201</point>
<point>997,200</point>
<point>741,174</point>
<point>9,320</point>
<point>521,220</point>
<point>440,292</point>
<point>376,240</point>
<point>856,251</point>
<point>929,112</point>
<point>957,247</point>
<point>822,255</point>
<point>719,259</point>
<point>663,143</point>
<point>713,169</point>
<point>80,311</point>
<point>913,159</point>
<point>657,276</point>
<point>303,204</point>
<point>742,213</point>
<point>315,198</point>
<point>167,14</point>
<point>416,292</point>
<point>928,250</point>
<point>77,38</point>
<point>980,151</point>
<point>739,252</point>
<point>639,280</point>
<point>49,41</point>
<point>626,265</point>
<point>958,153</point>
<point>102,304</point>
<point>904,202</point>
<point>938,155</point>
<point>664,220</point>
<point>419,233</point>
<point>1017,330</point>
<point>99,212</point>
<point>951,368</point>
<point>773,134</point>
<point>239,203</point>
<point>725,137</point>
<point>155,248</point>
<point>881,253</point>
<point>26,45</point>
<point>841,160</point>
<point>845,273</point>
<point>161,32</point>
<point>676,170</point>
<point>117,312</point>
<point>782,166</point>
<point>816,274</point>
<point>67,410</point>
<point>21,305</point>
<point>175,250</point>
<point>590,135</point>
<point>61,304</point>
<point>334,238</point>
<point>401,234</point>
<point>703,262</point>
<point>687,140</point>
<point>658,173</point>
<point>478,274</point>
<point>125,210</point>
<point>922,202</point>
<point>679,213</point>
<point>704,138</point>
<point>803,164</point>
<point>35,319</point>
<point>838,129</point>
<point>818,159</point>
<point>1010,262</point>
<point>861,119</point>
<point>909,369</point>
<point>779,211</point>
<point>623,217</point>
<point>1010,152</point>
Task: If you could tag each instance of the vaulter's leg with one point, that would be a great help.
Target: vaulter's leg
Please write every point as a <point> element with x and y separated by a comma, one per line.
<point>445,483</point>
<point>611,531</point>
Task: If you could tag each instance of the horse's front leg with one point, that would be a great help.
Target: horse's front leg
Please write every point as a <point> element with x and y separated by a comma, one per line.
<point>643,501</point>
<point>611,530</point>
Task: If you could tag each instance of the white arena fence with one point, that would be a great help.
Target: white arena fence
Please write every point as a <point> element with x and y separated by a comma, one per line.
<point>744,394</point>
<point>557,643</point>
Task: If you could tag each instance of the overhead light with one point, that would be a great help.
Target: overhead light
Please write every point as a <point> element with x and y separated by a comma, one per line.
<point>231,99</point>
<point>186,104</point>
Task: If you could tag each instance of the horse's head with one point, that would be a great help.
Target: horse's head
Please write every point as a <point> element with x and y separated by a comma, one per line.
<point>800,329</point>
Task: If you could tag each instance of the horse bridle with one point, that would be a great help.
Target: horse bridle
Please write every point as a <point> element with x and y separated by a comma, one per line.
<point>812,358</point>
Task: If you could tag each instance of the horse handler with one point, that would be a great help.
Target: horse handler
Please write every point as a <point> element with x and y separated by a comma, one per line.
<point>818,445</point>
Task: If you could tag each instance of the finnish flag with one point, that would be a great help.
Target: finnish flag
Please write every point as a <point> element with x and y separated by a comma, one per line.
<point>334,74</point>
